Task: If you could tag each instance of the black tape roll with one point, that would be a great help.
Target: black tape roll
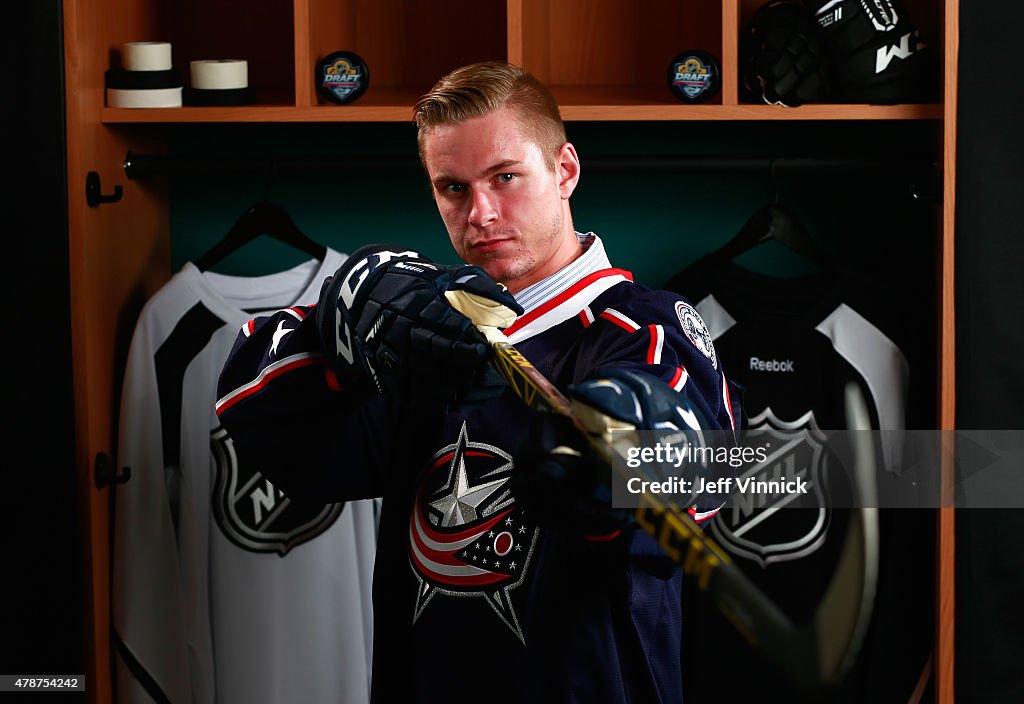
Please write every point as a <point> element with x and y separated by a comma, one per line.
<point>219,97</point>
<point>123,79</point>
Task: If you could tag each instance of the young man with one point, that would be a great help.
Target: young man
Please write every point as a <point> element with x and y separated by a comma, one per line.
<point>502,570</point>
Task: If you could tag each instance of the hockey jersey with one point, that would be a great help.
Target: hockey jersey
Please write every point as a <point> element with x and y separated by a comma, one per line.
<point>226,589</point>
<point>793,344</point>
<point>473,599</point>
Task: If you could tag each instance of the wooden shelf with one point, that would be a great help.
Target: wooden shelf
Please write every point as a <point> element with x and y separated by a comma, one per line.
<point>609,108</point>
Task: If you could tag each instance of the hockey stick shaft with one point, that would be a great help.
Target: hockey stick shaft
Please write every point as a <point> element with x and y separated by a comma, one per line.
<point>675,531</point>
<point>758,618</point>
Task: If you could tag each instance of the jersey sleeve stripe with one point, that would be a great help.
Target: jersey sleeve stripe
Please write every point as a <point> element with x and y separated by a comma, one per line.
<point>586,316</point>
<point>656,345</point>
<point>267,375</point>
<point>702,516</point>
<point>603,538</point>
<point>679,379</point>
<point>728,402</point>
<point>331,377</point>
<point>623,321</point>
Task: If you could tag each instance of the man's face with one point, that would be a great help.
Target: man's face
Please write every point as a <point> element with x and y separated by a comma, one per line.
<point>505,209</point>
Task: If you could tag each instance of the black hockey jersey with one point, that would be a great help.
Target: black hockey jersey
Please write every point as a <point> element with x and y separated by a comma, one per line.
<point>793,344</point>
<point>472,599</point>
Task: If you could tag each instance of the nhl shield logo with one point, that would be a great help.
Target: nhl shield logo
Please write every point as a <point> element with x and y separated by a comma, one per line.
<point>467,536</point>
<point>254,514</point>
<point>778,528</point>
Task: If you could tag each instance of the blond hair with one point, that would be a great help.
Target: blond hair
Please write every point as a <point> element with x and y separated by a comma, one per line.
<point>482,88</point>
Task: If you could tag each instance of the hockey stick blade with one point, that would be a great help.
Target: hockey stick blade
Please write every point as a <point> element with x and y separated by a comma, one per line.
<point>814,655</point>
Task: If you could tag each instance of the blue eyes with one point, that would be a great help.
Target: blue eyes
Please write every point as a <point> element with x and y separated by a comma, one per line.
<point>454,188</point>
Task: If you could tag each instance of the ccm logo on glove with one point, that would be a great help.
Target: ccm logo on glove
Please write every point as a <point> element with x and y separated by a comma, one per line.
<point>350,287</point>
<point>386,322</point>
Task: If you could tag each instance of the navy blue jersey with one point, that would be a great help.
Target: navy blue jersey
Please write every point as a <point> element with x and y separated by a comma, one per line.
<point>472,599</point>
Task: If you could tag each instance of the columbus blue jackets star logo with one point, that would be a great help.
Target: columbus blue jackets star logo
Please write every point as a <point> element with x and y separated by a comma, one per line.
<point>467,536</point>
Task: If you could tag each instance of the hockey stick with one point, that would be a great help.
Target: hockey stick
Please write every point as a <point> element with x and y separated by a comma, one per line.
<point>814,655</point>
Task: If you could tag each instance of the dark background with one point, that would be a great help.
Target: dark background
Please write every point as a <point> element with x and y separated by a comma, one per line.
<point>990,344</point>
<point>42,575</point>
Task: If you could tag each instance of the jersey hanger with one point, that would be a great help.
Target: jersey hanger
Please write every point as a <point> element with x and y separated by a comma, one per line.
<point>774,222</point>
<point>264,218</point>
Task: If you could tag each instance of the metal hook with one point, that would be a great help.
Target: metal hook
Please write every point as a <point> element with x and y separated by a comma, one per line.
<point>105,475</point>
<point>93,194</point>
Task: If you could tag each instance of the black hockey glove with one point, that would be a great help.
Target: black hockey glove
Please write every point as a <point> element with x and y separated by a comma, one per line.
<point>563,482</point>
<point>783,61</point>
<point>876,52</point>
<point>385,319</point>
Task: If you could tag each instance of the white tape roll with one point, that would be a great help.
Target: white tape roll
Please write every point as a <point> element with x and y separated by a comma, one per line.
<point>141,98</point>
<point>220,74</point>
<point>147,56</point>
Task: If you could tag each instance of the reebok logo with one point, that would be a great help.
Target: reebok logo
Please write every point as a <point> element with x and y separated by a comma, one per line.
<point>771,365</point>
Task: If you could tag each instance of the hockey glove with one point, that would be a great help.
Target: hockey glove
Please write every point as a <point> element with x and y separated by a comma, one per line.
<point>783,61</point>
<point>563,482</point>
<point>876,52</point>
<point>384,318</point>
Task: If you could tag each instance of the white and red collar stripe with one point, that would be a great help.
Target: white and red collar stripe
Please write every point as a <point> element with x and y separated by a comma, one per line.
<point>568,291</point>
<point>566,304</point>
<point>593,259</point>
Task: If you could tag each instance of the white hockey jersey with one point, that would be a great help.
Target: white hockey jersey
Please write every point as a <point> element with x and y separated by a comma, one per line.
<point>224,589</point>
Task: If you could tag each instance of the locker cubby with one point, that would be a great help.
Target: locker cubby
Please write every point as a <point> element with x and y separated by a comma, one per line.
<point>605,52</point>
<point>407,44</point>
<point>606,61</point>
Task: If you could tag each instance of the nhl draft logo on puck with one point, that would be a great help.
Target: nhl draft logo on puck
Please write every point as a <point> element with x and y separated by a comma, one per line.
<point>342,77</point>
<point>694,76</point>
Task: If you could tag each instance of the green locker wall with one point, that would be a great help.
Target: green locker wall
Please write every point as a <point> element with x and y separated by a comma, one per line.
<point>653,221</point>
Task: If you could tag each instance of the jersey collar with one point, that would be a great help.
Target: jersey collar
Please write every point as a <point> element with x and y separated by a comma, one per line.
<point>565,293</point>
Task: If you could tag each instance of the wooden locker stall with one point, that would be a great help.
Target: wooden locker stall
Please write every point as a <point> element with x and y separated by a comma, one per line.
<point>604,60</point>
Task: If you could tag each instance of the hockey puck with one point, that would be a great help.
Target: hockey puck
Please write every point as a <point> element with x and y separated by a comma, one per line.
<point>342,77</point>
<point>694,76</point>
